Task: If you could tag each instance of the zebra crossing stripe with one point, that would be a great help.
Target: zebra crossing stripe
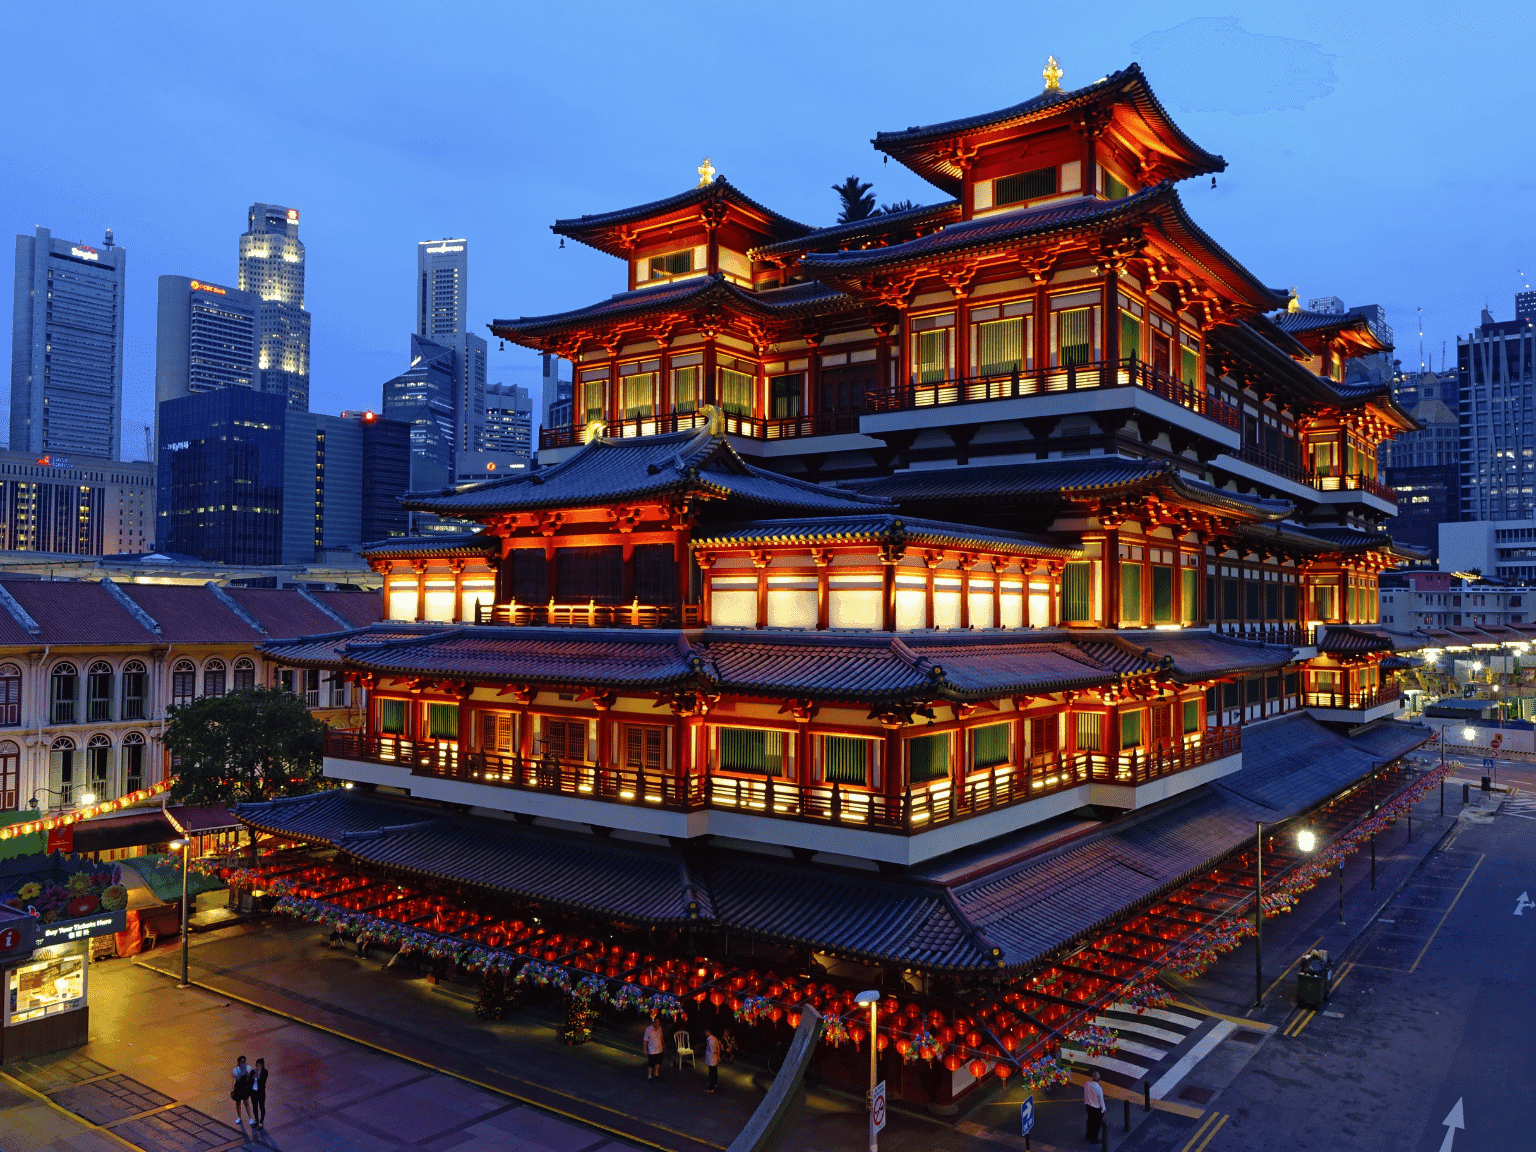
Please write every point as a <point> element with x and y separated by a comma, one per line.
<point>1522,804</point>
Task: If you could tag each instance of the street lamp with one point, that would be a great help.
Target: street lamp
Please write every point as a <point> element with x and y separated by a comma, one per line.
<point>871,998</point>
<point>86,798</point>
<point>1306,840</point>
<point>185,844</point>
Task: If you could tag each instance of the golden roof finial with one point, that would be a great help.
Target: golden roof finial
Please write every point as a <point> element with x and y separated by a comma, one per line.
<point>1294,303</point>
<point>1052,74</point>
<point>706,173</point>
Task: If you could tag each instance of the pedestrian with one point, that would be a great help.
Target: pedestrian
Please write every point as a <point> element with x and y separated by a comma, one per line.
<point>712,1058</point>
<point>1093,1104</point>
<point>259,1076</point>
<point>241,1092</point>
<point>655,1046</point>
<point>335,940</point>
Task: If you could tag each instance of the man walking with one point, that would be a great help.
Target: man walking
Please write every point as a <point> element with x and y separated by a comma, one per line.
<point>655,1046</point>
<point>712,1058</point>
<point>1093,1105</point>
<point>259,1094</point>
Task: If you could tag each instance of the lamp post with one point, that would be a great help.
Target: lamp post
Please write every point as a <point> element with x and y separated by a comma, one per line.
<point>86,798</point>
<point>872,998</point>
<point>185,844</point>
<point>1258,918</point>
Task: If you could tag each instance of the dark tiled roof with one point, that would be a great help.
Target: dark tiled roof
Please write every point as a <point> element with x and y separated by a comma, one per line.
<point>357,608</point>
<point>606,470</point>
<point>282,612</point>
<point>325,817</point>
<point>326,650</point>
<point>1087,476</point>
<point>190,614</point>
<point>628,881</point>
<point>1192,654</point>
<point>882,527</point>
<point>1304,321</point>
<point>588,228</point>
<point>459,544</point>
<point>1292,763</point>
<point>83,612</point>
<point>1128,85</point>
<point>870,228</point>
<point>640,658</point>
<point>1342,638</point>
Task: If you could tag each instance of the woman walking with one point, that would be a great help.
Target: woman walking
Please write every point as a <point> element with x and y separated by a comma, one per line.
<point>259,1093</point>
<point>241,1092</point>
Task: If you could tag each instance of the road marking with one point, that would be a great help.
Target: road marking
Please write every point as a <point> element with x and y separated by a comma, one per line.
<point>1523,901</point>
<point>1186,1063</point>
<point>1220,1118</point>
<point>28,1090</point>
<point>1240,1021</point>
<point>1299,1022</point>
<point>1129,1009</point>
<point>1481,857</point>
<point>1452,1122</point>
<point>1108,1063</point>
<point>1144,1029</point>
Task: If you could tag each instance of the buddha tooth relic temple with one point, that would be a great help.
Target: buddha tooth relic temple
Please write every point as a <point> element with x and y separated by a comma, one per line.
<point>931,602</point>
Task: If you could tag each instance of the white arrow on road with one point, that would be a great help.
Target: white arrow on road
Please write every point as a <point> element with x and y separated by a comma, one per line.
<point>1524,901</point>
<point>1452,1122</point>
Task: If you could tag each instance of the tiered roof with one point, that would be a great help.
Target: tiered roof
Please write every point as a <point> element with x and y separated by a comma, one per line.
<point>614,232</point>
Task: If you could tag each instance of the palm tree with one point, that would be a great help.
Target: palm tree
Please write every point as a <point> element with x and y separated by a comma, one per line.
<point>899,206</point>
<point>858,204</point>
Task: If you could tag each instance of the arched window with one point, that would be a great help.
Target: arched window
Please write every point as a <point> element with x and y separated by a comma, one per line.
<point>245,673</point>
<point>98,769</point>
<point>183,683</point>
<point>10,696</point>
<point>66,691</point>
<point>61,771</point>
<point>10,776</point>
<point>135,690</point>
<point>98,692</point>
<point>133,761</point>
<point>213,678</point>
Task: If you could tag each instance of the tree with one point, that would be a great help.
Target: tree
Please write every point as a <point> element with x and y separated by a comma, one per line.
<point>251,744</point>
<point>898,206</point>
<point>858,204</point>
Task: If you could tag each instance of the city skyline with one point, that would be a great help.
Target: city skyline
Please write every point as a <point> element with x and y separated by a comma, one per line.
<point>1308,66</point>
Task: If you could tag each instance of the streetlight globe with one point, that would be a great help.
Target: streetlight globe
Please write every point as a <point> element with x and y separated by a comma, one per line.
<point>1306,840</point>
<point>1469,733</point>
<point>869,997</point>
<point>87,798</point>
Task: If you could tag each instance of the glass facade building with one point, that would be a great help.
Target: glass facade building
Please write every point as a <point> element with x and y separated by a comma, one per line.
<point>272,267</point>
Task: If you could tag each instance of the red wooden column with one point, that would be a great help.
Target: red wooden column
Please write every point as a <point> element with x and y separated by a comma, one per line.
<point>705,562</point>
<point>421,589</point>
<point>627,577</point>
<point>895,770</point>
<point>823,560</point>
<point>889,559</point>
<point>1111,322</point>
<point>458,590</point>
<point>760,561</point>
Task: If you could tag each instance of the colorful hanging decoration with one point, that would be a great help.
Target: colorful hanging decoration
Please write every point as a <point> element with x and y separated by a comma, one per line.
<point>1094,1040</point>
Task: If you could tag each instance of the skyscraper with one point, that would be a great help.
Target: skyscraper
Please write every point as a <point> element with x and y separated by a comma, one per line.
<point>67,347</point>
<point>442,276</point>
<point>207,336</point>
<point>423,397</point>
<point>272,267</point>
<point>508,419</point>
<point>1496,368</point>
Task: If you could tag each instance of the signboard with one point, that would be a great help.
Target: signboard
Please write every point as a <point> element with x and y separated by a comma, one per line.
<point>61,839</point>
<point>877,1109</point>
<point>1027,1115</point>
<point>1488,763</point>
<point>18,935</point>
<point>97,925</point>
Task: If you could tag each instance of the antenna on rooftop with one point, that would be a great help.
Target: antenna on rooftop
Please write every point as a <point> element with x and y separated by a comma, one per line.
<point>1421,340</point>
<point>149,445</point>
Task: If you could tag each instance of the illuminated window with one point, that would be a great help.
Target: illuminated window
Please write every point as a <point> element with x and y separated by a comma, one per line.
<point>928,757</point>
<point>990,745</point>
<point>756,750</point>
<point>672,264</point>
<point>1024,186</point>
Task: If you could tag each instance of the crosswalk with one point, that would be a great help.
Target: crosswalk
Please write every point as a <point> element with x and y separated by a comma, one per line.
<point>1522,804</point>
<point>1145,1040</point>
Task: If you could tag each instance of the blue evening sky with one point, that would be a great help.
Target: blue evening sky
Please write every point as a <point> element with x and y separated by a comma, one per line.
<point>1377,151</point>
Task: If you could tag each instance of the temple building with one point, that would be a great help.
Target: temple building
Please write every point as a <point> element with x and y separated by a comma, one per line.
<point>951,530</point>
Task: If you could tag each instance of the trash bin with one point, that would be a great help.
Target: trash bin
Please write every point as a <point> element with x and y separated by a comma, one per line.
<point>1313,979</point>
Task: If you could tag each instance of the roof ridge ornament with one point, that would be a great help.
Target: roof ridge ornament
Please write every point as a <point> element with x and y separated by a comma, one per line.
<point>1294,303</point>
<point>706,173</point>
<point>1052,74</point>
<point>714,417</point>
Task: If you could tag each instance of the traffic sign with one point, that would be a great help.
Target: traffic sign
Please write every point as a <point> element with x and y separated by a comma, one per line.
<point>877,1108</point>
<point>1488,762</point>
<point>1027,1115</point>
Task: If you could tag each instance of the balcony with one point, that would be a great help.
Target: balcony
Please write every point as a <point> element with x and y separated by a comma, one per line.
<point>749,427</point>
<point>1296,473</point>
<point>1296,635</point>
<point>1353,701</point>
<point>589,615</point>
<point>1102,374</point>
<point>918,809</point>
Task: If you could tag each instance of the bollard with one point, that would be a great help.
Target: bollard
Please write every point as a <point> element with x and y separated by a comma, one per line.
<point>1127,1103</point>
<point>1466,792</point>
<point>1104,1133</point>
<point>1146,1095</point>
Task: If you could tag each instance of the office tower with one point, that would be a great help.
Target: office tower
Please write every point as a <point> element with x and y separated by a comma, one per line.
<point>206,337</point>
<point>1423,466</point>
<point>67,347</point>
<point>386,475</point>
<point>219,465</point>
<point>1525,306</point>
<point>554,395</point>
<point>470,356</point>
<point>442,277</point>
<point>422,396</point>
<point>272,267</point>
<point>508,420</point>
<point>83,505</point>
<point>1495,366</point>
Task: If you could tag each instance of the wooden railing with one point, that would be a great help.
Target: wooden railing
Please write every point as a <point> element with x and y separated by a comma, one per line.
<point>751,427</point>
<point>590,615</point>
<point>1296,635</point>
<point>1127,373</point>
<point>1303,475</point>
<point>918,808</point>
<point>1353,701</point>
<point>1355,483</point>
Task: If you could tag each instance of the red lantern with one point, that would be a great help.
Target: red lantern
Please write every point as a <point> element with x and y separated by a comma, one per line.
<point>952,1062</point>
<point>903,1045</point>
<point>735,1003</point>
<point>716,997</point>
<point>1003,1069</point>
<point>794,1019</point>
<point>1010,1041</point>
<point>977,1068</point>
<point>882,1042</point>
<point>947,1034</point>
<point>858,1034</point>
<point>775,1013</point>
<point>973,1039</point>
